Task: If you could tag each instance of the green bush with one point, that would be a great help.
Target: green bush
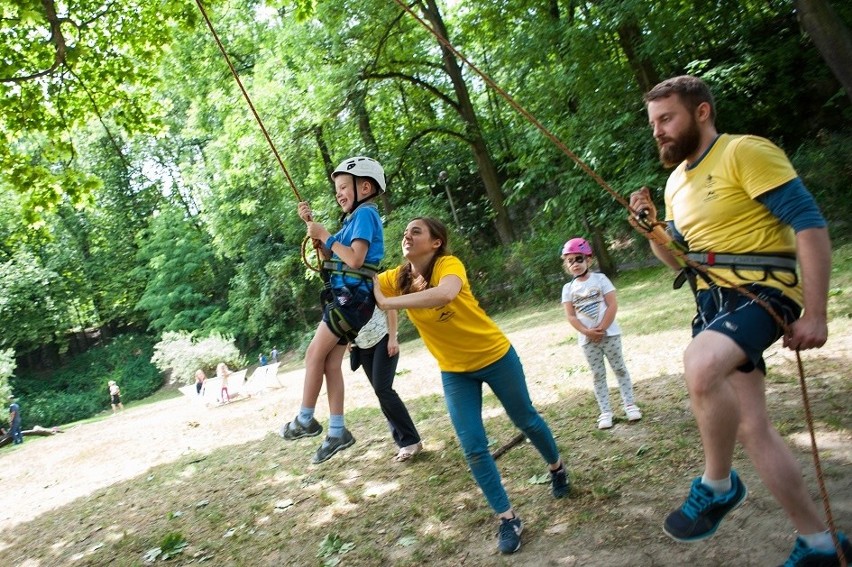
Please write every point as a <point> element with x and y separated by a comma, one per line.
<point>825,166</point>
<point>80,389</point>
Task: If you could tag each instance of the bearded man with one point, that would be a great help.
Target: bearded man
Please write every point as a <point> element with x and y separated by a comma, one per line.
<point>741,210</point>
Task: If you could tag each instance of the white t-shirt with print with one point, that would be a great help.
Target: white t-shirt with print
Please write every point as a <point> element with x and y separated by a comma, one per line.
<point>588,299</point>
<point>375,330</point>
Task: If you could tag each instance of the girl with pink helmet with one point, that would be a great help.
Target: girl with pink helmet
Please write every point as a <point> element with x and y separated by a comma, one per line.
<point>590,305</point>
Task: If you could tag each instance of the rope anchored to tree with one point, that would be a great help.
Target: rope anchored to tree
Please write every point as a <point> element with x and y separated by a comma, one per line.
<point>303,248</point>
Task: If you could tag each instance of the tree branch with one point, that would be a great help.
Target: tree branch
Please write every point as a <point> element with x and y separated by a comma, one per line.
<point>56,38</point>
<point>414,81</point>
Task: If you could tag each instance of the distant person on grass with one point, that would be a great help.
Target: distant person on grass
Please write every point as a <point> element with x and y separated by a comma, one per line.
<point>115,396</point>
<point>15,421</point>
<point>200,377</point>
<point>590,306</point>
<point>352,257</point>
<point>471,352</point>
<point>223,373</point>
<point>376,349</point>
<point>740,208</point>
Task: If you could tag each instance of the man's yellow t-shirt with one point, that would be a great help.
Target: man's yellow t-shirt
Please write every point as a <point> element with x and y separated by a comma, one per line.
<point>713,206</point>
<point>460,335</point>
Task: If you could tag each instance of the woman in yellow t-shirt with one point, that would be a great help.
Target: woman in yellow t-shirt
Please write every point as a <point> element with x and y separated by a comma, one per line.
<point>471,351</point>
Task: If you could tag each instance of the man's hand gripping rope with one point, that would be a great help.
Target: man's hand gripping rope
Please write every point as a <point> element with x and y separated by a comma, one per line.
<point>643,218</point>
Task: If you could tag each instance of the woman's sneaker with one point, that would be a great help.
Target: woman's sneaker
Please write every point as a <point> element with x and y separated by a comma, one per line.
<point>703,511</point>
<point>295,430</point>
<point>633,413</point>
<point>509,536</point>
<point>559,484</point>
<point>332,445</point>
<point>605,420</point>
<point>805,556</point>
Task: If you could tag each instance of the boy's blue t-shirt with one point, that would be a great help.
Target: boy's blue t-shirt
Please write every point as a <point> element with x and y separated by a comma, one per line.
<point>363,224</point>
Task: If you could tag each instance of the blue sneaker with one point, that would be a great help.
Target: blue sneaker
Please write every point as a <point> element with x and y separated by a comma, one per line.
<point>559,483</point>
<point>509,536</point>
<point>805,556</point>
<point>702,512</point>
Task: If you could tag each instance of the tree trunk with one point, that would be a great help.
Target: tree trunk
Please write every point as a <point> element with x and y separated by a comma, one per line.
<point>630,40</point>
<point>370,140</point>
<point>832,39</point>
<point>487,169</point>
<point>602,255</point>
<point>37,430</point>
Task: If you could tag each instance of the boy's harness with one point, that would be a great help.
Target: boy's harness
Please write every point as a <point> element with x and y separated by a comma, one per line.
<point>365,272</point>
<point>339,325</point>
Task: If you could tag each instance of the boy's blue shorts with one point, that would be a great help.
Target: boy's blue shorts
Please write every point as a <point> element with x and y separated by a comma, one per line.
<point>746,322</point>
<point>355,306</point>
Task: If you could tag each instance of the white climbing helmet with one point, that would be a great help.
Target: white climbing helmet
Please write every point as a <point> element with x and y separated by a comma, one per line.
<point>362,166</point>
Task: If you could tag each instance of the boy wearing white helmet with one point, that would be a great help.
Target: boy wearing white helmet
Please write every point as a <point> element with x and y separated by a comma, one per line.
<point>352,256</point>
<point>590,305</point>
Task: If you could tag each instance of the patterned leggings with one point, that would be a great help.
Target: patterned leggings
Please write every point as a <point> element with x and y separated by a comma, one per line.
<point>609,347</point>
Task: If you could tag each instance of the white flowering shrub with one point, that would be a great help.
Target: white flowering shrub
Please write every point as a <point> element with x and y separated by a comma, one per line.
<point>7,367</point>
<point>184,354</point>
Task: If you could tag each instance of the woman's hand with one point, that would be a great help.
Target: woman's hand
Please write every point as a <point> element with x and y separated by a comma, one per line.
<point>381,298</point>
<point>393,346</point>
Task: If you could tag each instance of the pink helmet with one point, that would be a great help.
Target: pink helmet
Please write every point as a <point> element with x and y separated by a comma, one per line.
<point>577,246</point>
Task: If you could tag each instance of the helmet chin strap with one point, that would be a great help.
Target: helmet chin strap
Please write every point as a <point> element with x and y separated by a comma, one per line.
<point>583,274</point>
<point>355,202</point>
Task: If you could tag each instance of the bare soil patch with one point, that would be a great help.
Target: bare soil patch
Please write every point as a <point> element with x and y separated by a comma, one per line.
<point>47,473</point>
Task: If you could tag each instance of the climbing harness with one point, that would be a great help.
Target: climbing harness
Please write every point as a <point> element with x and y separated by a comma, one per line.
<point>654,231</point>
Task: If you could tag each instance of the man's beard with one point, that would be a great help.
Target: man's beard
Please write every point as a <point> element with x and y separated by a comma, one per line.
<point>681,147</point>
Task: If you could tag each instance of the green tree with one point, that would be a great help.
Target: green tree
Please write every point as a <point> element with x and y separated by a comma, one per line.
<point>30,313</point>
<point>185,282</point>
<point>64,65</point>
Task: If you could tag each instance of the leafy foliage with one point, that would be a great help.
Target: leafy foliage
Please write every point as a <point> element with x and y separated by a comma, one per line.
<point>80,389</point>
<point>7,367</point>
<point>184,278</point>
<point>30,311</point>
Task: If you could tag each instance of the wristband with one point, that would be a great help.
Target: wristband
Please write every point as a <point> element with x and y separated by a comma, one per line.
<point>330,242</point>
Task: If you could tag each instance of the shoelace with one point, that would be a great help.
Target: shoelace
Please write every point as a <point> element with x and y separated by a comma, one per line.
<point>800,551</point>
<point>700,498</point>
<point>508,526</point>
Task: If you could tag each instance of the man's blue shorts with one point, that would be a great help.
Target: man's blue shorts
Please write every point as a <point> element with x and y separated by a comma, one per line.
<point>746,322</point>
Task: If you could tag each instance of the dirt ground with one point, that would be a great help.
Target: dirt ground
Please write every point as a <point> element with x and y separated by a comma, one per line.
<point>46,473</point>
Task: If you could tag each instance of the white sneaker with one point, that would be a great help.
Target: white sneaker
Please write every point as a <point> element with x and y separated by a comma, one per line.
<point>633,413</point>
<point>605,420</point>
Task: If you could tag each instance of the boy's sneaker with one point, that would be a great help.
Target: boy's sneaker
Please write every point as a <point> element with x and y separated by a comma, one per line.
<point>332,445</point>
<point>559,484</point>
<point>509,536</point>
<point>805,556</point>
<point>702,512</point>
<point>295,430</point>
<point>605,420</point>
<point>633,412</point>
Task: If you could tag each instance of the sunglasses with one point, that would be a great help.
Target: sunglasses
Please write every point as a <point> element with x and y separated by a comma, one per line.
<point>576,260</point>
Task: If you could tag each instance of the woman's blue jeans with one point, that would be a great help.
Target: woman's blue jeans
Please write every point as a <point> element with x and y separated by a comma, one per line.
<point>463,394</point>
